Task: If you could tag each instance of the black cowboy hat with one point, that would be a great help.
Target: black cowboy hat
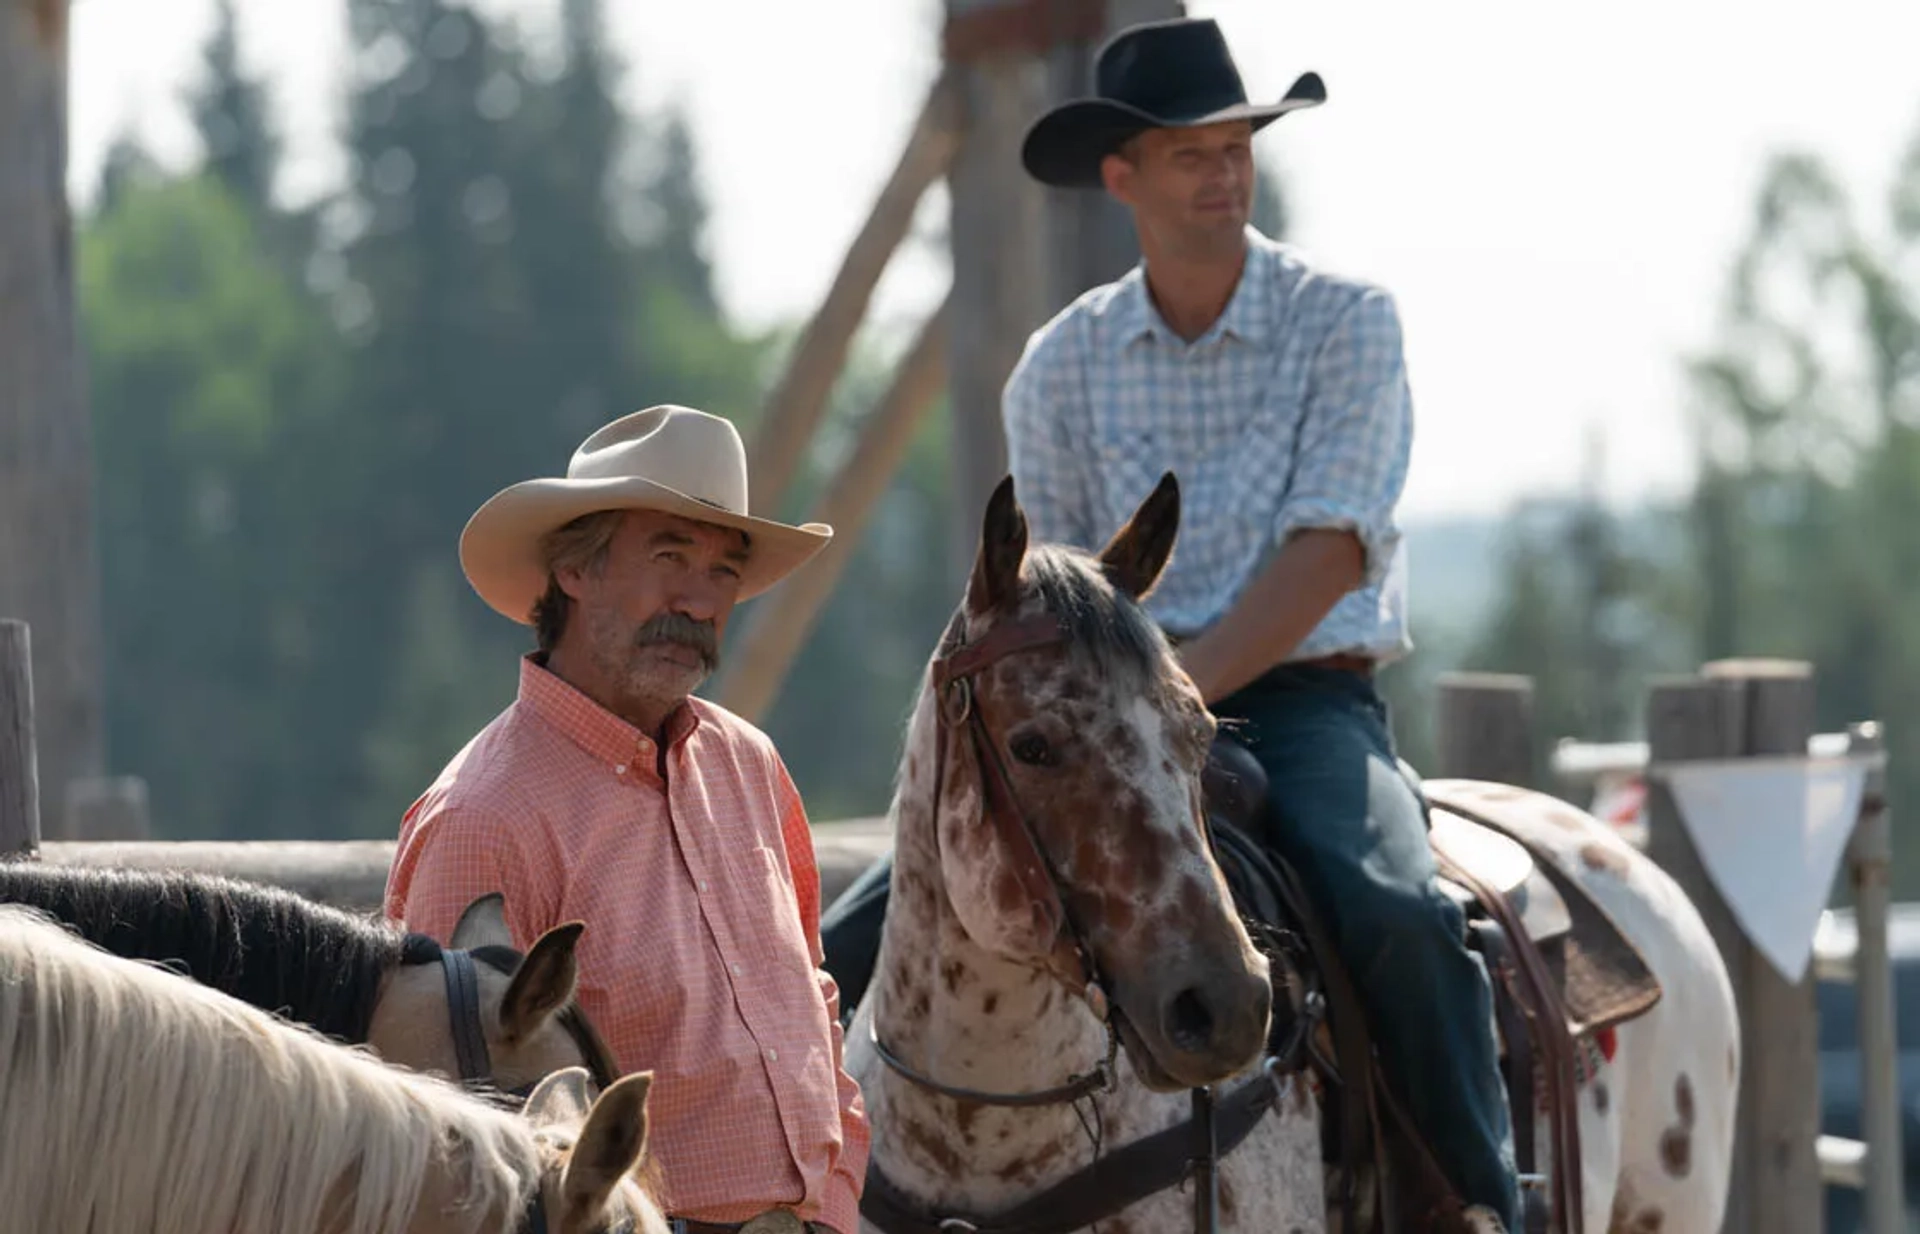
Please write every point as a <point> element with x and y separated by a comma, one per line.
<point>1160,74</point>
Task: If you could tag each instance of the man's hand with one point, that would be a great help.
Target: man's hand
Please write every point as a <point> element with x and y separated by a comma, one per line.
<point>1291,595</point>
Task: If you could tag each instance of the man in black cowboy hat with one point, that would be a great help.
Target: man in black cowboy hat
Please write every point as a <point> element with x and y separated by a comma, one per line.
<point>1277,392</point>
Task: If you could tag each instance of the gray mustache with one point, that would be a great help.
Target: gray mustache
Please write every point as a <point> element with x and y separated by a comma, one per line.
<point>683,630</point>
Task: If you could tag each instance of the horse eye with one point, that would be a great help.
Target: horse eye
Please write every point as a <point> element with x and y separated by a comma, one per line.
<point>1032,749</point>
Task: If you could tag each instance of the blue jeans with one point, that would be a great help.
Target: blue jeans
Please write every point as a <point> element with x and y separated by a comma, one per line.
<point>1351,824</point>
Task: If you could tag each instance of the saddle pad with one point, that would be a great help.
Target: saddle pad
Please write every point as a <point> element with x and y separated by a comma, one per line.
<point>1603,978</point>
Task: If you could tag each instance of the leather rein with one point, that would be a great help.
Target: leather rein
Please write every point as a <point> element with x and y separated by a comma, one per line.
<point>1143,1168</point>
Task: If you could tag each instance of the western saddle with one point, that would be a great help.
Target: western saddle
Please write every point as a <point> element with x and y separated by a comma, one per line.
<point>1563,975</point>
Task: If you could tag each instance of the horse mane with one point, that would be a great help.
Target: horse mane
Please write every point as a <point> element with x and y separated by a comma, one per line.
<point>264,945</point>
<point>1100,621</point>
<point>133,1101</point>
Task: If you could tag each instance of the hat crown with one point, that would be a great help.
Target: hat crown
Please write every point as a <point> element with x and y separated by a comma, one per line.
<point>695,452</point>
<point>1170,68</point>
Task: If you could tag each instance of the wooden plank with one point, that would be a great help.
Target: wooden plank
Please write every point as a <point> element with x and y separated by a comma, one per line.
<point>799,399</point>
<point>779,623</point>
<point>999,268</point>
<point>19,764</point>
<point>47,562</point>
<point>1484,728</point>
<point>352,874</point>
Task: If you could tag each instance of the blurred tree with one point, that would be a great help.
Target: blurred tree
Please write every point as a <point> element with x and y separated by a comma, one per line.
<point>1808,422</point>
<point>202,419</point>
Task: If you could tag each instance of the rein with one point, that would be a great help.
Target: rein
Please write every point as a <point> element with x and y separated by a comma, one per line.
<point>1190,1149</point>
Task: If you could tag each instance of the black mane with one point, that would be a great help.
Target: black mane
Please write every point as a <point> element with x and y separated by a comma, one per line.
<point>263,945</point>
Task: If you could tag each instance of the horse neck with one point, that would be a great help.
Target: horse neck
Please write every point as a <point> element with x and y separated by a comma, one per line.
<point>945,1006</point>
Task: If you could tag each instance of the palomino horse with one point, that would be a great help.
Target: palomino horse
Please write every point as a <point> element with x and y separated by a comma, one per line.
<point>1055,892</point>
<point>135,1102</point>
<point>475,1009</point>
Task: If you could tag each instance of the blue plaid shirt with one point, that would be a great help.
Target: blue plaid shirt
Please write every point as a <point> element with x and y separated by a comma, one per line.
<point>1291,412</point>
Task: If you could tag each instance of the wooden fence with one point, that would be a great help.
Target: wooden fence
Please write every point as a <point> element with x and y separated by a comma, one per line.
<point>1736,709</point>
<point>348,873</point>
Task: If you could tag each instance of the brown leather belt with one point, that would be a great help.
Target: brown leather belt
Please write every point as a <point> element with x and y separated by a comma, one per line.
<point>686,1225</point>
<point>1344,662</point>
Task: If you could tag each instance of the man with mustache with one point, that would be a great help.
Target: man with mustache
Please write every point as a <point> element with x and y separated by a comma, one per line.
<point>606,793</point>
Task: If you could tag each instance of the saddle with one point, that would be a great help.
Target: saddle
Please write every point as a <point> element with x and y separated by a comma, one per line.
<point>1563,974</point>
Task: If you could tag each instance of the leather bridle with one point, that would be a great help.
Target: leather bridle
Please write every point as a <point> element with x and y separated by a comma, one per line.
<point>957,704</point>
<point>1191,1150</point>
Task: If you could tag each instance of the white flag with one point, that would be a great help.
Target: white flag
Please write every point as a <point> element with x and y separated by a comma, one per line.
<point>1770,832</point>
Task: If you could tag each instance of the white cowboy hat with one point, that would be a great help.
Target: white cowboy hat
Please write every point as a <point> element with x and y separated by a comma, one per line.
<point>669,458</point>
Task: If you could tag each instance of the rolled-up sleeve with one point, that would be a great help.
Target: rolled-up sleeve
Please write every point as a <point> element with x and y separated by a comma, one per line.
<point>1044,399</point>
<point>1356,434</point>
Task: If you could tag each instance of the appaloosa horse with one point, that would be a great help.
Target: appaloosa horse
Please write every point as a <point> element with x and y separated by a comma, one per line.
<point>134,1102</point>
<point>475,1009</point>
<point>1055,893</point>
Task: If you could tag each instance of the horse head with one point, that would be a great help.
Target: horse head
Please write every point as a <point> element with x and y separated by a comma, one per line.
<point>487,1011</point>
<point>1068,815</point>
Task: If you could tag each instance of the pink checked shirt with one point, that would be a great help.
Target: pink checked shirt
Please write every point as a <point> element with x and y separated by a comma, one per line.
<point>693,868</point>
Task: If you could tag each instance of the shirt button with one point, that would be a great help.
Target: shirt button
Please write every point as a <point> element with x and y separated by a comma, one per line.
<point>773,1055</point>
<point>620,770</point>
<point>736,970</point>
<point>703,884</point>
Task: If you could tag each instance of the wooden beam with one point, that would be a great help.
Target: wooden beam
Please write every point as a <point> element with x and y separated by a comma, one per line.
<point>1737,708</point>
<point>781,621</point>
<point>799,399</point>
<point>1484,729</point>
<point>19,764</point>
<point>352,874</point>
<point>1089,236</point>
<point>46,452</point>
<point>999,266</point>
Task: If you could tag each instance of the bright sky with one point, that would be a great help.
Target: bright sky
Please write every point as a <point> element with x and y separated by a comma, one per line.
<point>1552,195</point>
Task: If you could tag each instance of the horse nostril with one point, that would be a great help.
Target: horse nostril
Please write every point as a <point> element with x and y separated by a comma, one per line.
<point>1189,1023</point>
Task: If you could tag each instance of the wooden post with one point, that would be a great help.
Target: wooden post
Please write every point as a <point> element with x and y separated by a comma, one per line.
<point>1090,236</point>
<point>19,765</point>
<point>999,261</point>
<point>108,808</point>
<point>781,621</point>
<point>798,401</point>
<point>1484,728</point>
<point>1870,861</point>
<point>46,455</point>
<point>1748,708</point>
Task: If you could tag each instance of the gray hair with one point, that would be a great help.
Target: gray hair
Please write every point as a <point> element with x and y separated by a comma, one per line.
<point>580,544</point>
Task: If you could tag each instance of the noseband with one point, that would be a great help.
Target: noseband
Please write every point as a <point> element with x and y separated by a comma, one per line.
<point>957,703</point>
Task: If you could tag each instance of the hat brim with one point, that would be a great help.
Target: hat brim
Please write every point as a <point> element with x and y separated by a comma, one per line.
<point>500,546</point>
<point>1064,147</point>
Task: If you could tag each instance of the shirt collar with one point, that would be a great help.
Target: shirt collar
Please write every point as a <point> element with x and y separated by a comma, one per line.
<point>1248,316</point>
<point>602,734</point>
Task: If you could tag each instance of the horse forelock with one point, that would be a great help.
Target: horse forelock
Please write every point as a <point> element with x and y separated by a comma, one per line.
<point>132,1100</point>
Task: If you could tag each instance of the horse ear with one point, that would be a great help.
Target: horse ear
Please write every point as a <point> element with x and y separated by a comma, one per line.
<point>483,923</point>
<point>1138,552</point>
<point>542,984</point>
<point>612,1143</point>
<point>560,1098</point>
<point>1003,546</point>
